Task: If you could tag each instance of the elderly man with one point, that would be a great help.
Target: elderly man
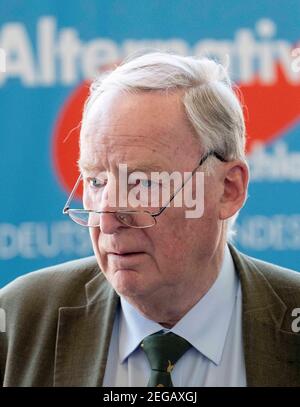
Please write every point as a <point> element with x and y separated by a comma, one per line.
<point>166,301</point>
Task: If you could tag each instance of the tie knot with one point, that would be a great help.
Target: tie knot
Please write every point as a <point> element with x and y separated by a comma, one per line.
<point>163,350</point>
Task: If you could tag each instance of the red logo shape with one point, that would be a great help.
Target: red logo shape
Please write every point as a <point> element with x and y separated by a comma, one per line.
<point>271,109</point>
<point>66,137</point>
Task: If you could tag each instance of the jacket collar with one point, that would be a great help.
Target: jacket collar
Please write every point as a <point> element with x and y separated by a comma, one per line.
<point>271,350</point>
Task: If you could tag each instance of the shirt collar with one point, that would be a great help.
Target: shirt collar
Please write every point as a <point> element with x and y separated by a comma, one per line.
<point>205,325</point>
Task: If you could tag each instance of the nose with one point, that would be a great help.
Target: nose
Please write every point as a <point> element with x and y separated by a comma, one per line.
<point>109,223</point>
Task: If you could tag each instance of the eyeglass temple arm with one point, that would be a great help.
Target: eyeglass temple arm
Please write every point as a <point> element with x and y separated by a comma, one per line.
<point>203,159</point>
<point>67,205</point>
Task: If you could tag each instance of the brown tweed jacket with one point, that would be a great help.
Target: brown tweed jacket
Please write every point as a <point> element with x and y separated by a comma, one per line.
<point>59,322</point>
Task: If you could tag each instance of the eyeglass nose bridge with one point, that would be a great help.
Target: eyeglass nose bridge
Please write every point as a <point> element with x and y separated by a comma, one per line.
<point>136,219</point>
<point>133,219</point>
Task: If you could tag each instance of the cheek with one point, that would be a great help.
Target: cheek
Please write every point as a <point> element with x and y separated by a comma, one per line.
<point>92,199</point>
<point>180,237</point>
<point>86,200</point>
<point>212,197</point>
<point>94,235</point>
<point>169,239</point>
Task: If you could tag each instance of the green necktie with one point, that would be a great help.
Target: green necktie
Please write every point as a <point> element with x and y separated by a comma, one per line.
<point>163,351</point>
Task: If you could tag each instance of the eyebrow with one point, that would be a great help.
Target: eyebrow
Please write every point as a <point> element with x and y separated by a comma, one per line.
<point>87,166</point>
<point>143,167</point>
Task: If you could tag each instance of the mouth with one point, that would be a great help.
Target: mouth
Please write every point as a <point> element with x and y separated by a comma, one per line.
<point>125,254</point>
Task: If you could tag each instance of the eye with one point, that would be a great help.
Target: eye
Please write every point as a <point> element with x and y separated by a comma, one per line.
<point>96,183</point>
<point>147,183</point>
<point>150,184</point>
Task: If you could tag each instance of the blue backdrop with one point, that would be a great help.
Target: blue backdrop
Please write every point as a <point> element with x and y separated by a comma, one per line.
<point>53,49</point>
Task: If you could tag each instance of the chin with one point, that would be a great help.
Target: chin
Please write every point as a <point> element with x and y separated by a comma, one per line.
<point>127,283</point>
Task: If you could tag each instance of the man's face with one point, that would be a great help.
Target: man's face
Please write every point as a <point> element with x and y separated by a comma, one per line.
<point>148,130</point>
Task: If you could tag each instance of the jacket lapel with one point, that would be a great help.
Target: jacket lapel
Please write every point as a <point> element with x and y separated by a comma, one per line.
<point>83,337</point>
<point>271,352</point>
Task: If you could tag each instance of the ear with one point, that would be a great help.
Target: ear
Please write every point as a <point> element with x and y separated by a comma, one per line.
<point>235,186</point>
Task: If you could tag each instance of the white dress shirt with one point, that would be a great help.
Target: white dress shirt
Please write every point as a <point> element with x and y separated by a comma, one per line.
<point>213,326</point>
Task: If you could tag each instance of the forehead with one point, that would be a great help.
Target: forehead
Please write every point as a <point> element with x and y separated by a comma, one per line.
<point>146,127</point>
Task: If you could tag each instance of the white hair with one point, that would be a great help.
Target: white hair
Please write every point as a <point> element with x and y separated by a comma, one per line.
<point>211,103</point>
